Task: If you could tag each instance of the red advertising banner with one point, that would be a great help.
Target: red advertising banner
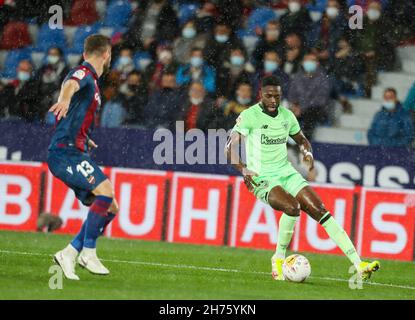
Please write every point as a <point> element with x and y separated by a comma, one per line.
<point>386,224</point>
<point>141,196</point>
<point>213,210</point>
<point>198,208</point>
<point>310,236</point>
<point>254,224</point>
<point>19,195</point>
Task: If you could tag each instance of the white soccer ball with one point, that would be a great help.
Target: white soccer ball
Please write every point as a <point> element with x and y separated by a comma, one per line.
<point>296,268</point>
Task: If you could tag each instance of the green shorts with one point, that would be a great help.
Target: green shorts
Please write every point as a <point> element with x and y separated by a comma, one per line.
<point>288,178</point>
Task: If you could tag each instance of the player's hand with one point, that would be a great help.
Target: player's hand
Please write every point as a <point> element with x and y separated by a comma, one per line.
<point>309,161</point>
<point>60,109</point>
<point>248,179</point>
<point>92,144</point>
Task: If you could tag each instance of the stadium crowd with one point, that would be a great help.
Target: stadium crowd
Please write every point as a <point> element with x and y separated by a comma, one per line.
<point>202,61</point>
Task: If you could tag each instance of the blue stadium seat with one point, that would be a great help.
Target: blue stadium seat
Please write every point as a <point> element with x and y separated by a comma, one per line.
<point>73,59</point>
<point>118,13</point>
<point>48,37</point>
<point>318,5</point>
<point>259,18</point>
<point>80,34</point>
<point>186,12</point>
<point>12,61</point>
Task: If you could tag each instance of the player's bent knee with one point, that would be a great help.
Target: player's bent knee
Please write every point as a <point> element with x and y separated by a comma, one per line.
<point>293,209</point>
<point>104,189</point>
<point>114,208</point>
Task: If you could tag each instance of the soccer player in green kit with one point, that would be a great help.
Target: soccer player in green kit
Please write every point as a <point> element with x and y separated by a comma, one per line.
<point>266,127</point>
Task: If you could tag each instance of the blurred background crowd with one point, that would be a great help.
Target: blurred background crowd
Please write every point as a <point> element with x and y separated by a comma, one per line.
<point>201,62</point>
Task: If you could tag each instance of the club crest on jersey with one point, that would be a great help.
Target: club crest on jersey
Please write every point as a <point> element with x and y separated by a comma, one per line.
<point>79,74</point>
<point>98,98</point>
<point>285,125</point>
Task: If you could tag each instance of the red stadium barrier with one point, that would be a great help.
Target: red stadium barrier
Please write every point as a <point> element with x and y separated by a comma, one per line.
<point>386,224</point>
<point>198,208</point>
<point>211,209</point>
<point>20,186</point>
<point>141,194</point>
<point>311,236</point>
<point>253,223</point>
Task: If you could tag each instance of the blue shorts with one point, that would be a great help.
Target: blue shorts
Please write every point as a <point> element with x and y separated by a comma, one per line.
<point>77,170</point>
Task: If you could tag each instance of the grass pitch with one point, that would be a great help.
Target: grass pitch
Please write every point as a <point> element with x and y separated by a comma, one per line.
<point>158,270</point>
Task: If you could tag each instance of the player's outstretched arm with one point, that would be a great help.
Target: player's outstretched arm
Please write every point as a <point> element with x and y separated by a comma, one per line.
<point>232,154</point>
<point>68,89</point>
<point>305,147</point>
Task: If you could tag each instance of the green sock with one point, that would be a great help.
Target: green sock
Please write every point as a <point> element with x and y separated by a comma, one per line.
<point>285,233</point>
<point>340,237</point>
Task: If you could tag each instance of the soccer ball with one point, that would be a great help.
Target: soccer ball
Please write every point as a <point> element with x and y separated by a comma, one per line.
<point>296,268</point>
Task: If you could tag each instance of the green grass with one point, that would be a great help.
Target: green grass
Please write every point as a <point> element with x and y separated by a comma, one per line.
<point>157,270</point>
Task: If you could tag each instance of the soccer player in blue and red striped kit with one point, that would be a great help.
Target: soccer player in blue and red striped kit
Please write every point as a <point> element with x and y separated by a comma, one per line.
<point>69,160</point>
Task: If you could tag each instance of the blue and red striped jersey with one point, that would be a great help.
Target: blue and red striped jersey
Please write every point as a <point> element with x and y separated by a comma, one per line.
<point>74,129</point>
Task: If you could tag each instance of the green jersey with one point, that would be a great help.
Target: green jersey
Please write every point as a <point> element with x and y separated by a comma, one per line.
<point>266,138</point>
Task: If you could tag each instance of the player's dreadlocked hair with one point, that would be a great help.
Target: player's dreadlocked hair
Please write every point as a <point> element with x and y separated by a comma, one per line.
<point>270,81</point>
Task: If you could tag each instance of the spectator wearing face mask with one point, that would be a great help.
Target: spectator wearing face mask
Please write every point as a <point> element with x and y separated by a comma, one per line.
<point>198,111</point>
<point>346,68</point>
<point>134,94</point>
<point>50,77</point>
<point>392,126</point>
<point>271,40</point>
<point>272,66</point>
<point>153,22</point>
<point>124,63</point>
<point>197,71</point>
<point>233,11</point>
<point>316,14</point>
<point>296,20</point>
<point>20,98</point>
<point>333,27</point>
<point>293,52</point>
<point>163,62</point>
<point>206,16</point>
<point>219,44</point>
<point>231,109</point>
<point>190,38</point>
<point>113,113</point>
<point>164,104</point>
<point>375,44</point>
<point>236,69</point>
<point>126,107</point>
<point>309,95</point>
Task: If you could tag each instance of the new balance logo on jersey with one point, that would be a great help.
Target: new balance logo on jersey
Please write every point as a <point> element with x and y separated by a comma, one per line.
<point>268,140</point>
<point>69,169</point>
<point>265,126</point>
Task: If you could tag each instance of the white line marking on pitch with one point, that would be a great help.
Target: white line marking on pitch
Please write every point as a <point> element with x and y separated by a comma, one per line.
<point>185,266</point>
